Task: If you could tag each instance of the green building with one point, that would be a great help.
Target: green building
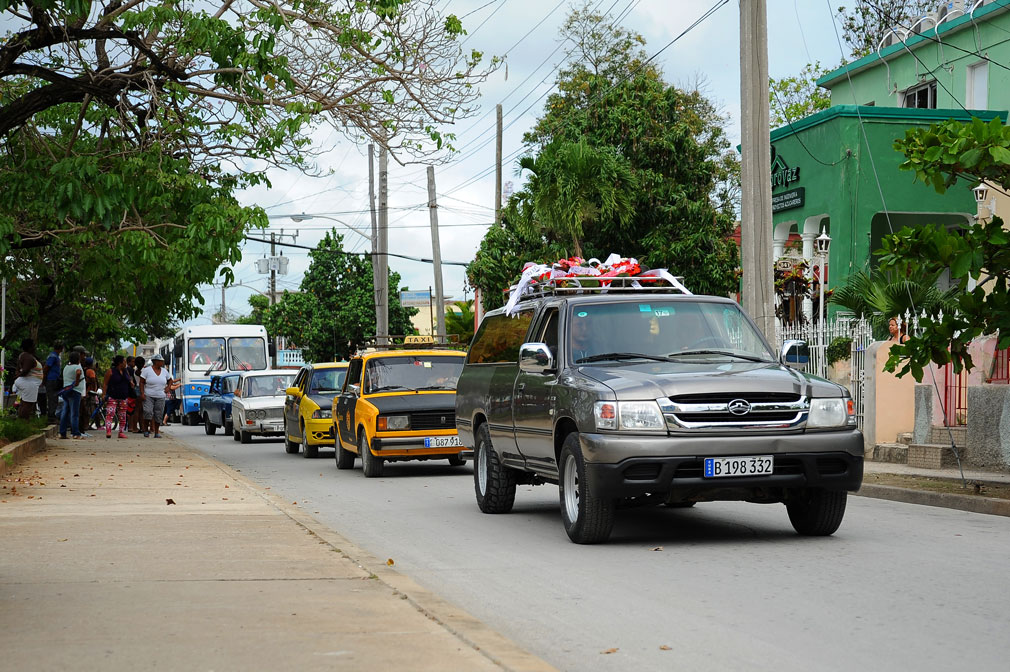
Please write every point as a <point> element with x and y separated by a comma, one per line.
<point>837,171</point>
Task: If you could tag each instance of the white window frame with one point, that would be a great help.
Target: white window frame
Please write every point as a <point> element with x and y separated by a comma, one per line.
<point>971,96</point>
<point>929,86</point>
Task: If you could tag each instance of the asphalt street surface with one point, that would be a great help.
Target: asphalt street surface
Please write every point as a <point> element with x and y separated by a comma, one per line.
<point>722,586</point>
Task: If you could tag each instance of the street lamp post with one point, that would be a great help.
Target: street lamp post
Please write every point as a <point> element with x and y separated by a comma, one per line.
<point>822,243</point>
<point>376,279</point>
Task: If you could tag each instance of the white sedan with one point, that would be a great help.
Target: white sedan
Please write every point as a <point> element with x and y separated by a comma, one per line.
<point>258,406</point>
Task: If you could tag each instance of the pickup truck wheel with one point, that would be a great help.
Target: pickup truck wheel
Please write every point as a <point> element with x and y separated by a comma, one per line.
<point>588,518</point>
<point>227,427</point>
<point>371,465</point>
<point>344,457</point>
<point>307,450</point>
<point>493,483</point>
<point>456,461</point>
<point>815,512</point>
<point>208,426</point>
<point>235,434</point>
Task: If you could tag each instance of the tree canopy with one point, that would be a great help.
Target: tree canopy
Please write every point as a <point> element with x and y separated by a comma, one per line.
<point>865,23</point>
<point>977,257</point>
<point>128,126</point>
<point>792,98</point>
<point>333,314</point>
<point>661,148</point>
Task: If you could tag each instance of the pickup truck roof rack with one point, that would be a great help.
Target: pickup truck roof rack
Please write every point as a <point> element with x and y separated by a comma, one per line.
<point>655,284</point>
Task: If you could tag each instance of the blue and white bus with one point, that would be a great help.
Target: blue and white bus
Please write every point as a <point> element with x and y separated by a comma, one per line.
<point>201,351</point>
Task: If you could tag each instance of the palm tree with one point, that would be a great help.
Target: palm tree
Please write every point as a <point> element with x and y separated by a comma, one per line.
<point>879,296</point>
<point>573,185</point>
<point>460,322</point>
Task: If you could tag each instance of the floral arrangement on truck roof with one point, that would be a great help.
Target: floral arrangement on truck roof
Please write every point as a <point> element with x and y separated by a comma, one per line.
<point>585,273</point>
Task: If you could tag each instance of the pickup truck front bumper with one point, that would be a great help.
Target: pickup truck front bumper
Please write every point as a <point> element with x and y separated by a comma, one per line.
<point>640,465</point>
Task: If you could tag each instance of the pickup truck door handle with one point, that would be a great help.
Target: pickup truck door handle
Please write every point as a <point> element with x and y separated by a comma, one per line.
<point>521,386</point>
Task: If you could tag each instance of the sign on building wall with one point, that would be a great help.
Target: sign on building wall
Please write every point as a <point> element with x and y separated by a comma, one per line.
<point>788,199</point>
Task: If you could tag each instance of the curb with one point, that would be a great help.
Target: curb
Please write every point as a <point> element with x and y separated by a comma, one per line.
<point>14,453</point>
<point>946,500</point>
<point>469,630</point>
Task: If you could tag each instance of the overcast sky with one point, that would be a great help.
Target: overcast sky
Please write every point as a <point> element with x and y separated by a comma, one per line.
<point>799,31</point>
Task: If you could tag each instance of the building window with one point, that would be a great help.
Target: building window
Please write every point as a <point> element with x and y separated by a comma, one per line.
<point>977,95</point>
<point>923,96</point>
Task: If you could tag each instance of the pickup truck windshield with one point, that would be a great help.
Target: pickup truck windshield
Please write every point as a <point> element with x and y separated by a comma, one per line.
<point>663,328</point>
<point>410,373</point>
<point>267,386</point>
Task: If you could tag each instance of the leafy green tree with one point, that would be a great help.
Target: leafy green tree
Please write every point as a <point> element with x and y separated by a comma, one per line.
<point>612,100</point>
<point>333,314</point>
<point>260,308</point>
<point>572,186</point>
<point>792,98</point>
<point>128,126</point>
<point>944,155</point>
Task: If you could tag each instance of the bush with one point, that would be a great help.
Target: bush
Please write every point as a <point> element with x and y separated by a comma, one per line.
<point>839,350</point>
<point>15,429</point>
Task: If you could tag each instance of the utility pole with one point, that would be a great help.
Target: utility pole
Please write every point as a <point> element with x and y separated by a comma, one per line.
<point>755,169</point>
<point>497,169</point>
<point>436,255</point>
<point>380,259</point>
<point>273,285</point>
<point>375,236</point>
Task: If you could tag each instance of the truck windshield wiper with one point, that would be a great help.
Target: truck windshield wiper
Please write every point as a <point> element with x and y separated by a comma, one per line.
<point>615,356</point>
<point>392,387</point>
<point>727,353</point>
<point>432,387</point>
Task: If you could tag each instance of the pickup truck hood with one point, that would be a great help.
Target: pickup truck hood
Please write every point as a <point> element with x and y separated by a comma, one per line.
<point>276,401</point>
<point>323,400</point>
<point>653,380</point>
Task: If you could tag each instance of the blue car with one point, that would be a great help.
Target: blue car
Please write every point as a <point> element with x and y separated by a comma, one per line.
<point>215,406</point>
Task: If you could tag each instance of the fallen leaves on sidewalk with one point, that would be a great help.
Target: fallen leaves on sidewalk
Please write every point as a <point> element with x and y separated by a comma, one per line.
<point>169,501</point>
<point>390,562</point>
<point>609,651</point>
<point>664,647</point>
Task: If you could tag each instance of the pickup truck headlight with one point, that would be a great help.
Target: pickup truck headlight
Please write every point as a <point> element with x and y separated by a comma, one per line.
<point>631,415</point>
<point>837,412</point>
<point>394,423</point>
<point>321,413</point>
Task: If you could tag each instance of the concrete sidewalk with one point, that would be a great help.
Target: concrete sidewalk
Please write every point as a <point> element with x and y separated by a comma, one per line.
<point>140,554</point>
<point>959,498</point>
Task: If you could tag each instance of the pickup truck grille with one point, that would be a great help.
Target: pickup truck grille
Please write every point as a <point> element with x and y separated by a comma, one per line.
<point>433,420</point>
<point>741,410</point>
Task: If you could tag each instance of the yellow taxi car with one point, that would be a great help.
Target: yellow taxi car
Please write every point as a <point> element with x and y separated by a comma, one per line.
<point>398,405</point>
<point>307,407</point>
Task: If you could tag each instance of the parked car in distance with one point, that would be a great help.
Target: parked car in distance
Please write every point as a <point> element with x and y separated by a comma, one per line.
<point>650,396</point>
<point>307,408</point>
<point>398,405</point>
<point>215,406</point>
<point>258,405</point>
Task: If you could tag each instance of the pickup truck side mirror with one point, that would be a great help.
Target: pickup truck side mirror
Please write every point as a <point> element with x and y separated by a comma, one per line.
<point>535,358</point>
<point>795,354</point>
<point>293,392</point>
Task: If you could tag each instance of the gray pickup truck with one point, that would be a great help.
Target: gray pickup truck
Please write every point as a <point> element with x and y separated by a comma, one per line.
<point>637,397</point>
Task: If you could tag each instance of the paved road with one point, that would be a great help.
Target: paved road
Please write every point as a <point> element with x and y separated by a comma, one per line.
<point>725,586</point>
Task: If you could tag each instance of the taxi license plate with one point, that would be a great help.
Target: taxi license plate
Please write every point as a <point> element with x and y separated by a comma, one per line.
<point>442,442</point>
<point>760,465</point>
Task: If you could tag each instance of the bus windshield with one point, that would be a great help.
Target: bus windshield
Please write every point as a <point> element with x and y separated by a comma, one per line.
<point>247,354</point>
<point>206,353</point>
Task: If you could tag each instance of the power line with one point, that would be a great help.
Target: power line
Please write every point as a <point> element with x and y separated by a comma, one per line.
<point>357,254</point>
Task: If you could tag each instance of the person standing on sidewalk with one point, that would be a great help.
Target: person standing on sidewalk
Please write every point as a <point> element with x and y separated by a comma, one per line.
<point>73,388</point>
<point>138,411</point>
<point>30,369</point>
<point>52,374</point>
<point>153,383</point>
<point>117,385</point>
